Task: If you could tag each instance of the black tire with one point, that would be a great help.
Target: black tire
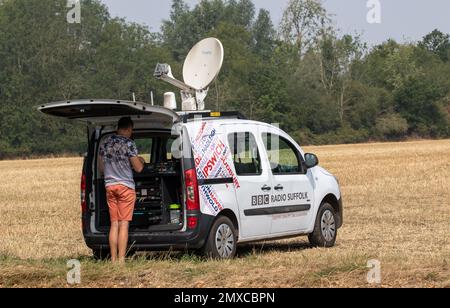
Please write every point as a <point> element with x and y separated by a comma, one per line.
<point>101,254</point>
<point>322,235</point>
<point>211,250</point>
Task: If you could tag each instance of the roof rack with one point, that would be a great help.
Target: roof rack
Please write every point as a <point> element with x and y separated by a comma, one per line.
<point>204,115</point>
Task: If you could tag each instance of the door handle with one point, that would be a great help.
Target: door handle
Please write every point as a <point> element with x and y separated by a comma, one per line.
<point>266,188</point>
<point>279,187</point>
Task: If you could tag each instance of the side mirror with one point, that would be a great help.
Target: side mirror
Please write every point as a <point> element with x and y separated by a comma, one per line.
<point>311,160</point>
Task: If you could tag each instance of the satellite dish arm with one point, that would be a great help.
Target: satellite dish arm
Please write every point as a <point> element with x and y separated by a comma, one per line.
<point>164,72</point>
<point>192,99</point>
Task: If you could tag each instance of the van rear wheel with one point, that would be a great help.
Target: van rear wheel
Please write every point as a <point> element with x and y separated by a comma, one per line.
<point>325,229</point>
<point>222,240</point>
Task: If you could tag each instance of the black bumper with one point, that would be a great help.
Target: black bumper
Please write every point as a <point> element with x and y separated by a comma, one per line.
<point>191,239</point>
<point>341,213</point>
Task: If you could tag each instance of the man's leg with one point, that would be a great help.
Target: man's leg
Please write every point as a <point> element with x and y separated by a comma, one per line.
<point>127,201</point>
<point>114,215</point>
<point>123,240</point>
<point>114,240</point>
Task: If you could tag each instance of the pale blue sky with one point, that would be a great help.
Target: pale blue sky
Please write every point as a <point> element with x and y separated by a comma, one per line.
<point>401,19</point>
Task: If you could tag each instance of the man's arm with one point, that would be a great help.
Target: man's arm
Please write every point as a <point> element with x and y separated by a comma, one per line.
<point>138,164</point>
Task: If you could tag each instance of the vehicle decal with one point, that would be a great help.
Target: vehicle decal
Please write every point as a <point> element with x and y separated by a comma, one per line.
<point>213,162</point>
<point>215,181</point>
<point>278,210</point>
<point>261,200</point>
<point>290,197</point>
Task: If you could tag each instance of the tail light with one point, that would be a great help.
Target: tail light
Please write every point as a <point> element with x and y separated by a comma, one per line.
<point>83,194</point>
<point>193,203</point>
<point>192,196</point>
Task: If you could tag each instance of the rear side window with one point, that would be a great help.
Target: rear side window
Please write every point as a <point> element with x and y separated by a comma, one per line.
<point>145,148</point>
<point>283,156</point>
<point>244,149</point>
<point>154,147</point>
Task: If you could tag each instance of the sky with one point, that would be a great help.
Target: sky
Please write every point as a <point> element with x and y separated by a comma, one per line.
<point>402,20</point>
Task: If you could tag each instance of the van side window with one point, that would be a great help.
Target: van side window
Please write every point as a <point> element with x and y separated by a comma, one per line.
<point>154,148</point>
<point>283,156</point>
<point>244,150</point>
<point>145,148</point>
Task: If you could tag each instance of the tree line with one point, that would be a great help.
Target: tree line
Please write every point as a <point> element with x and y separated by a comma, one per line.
<point>320,85</point>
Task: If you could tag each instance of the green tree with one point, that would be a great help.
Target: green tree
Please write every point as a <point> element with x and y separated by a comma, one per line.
<point>392,126</point>
<point>181,31</point>
<point>420,102</point>
<point>264,34</point>
<point>232,89</point>
<point>240,12</point>
<point>437,43</point>
<point>338,55</point>
<point>302,23</point>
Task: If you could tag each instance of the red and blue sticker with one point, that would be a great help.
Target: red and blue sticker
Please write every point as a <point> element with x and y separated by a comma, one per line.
<point>213,161</point>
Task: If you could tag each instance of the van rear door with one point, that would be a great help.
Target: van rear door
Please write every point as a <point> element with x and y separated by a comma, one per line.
<point>106,112</point>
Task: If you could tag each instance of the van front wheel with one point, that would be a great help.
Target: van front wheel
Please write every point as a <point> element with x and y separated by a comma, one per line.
<point>222,240</point>
<point>325,230</point>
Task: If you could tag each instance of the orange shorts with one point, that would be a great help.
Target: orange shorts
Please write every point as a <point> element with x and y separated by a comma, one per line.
<point>121,200</point>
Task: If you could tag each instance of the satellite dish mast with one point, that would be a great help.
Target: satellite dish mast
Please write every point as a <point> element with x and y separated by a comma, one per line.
<point>200,69</point>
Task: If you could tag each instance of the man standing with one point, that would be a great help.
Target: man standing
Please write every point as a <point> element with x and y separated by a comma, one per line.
<point>119,156</point>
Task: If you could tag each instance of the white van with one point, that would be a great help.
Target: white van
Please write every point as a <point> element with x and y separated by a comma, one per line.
<point>211,181</point>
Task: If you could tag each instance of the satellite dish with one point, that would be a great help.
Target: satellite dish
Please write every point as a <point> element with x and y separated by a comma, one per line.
<point>203,63</point>
<point>201,67</point>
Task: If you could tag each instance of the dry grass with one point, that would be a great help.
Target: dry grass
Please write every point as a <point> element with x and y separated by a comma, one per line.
<point>397,210</point>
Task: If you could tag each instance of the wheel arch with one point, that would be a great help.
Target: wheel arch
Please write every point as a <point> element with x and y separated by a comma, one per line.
<point>337,206</point>
<point>210,249</point>
<point>232,216</point>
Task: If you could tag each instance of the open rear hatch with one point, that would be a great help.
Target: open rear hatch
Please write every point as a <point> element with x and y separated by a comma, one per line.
<point>108,112</point>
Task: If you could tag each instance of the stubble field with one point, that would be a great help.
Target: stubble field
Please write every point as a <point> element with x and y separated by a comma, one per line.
<point>397,211</point>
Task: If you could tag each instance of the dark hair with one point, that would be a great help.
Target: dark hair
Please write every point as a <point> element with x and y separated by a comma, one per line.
<point>125,123</point>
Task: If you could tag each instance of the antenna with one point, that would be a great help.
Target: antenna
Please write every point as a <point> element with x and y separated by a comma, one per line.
<point>200,69</point>
<point>169,101</point>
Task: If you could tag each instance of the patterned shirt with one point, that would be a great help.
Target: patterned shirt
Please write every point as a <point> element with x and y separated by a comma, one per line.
<point>116,152</point>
